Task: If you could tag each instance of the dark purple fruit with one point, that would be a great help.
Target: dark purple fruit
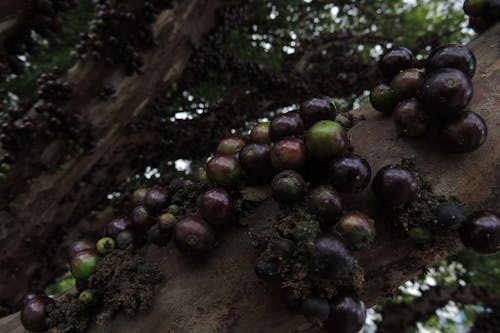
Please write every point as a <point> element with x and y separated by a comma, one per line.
<point>478,24</point>
<point>116,226</point>
<point>260,133</point>
<point>407,84</point>
<point>481,233</point>
<point>446,92</point>
<point>357,229</point>
<point>288,187</point>
<point>448,216</point>
<point>465,133</point>
<point>325,202</point>
<point>156,199</point>
<point>166,221</point>
<point>266,269</point>
<point>395,185</point>
<point>383,98</point>
<point>326,139</point>
<point>452,56</point>
<point>347,314</point>
<point>216,206</point>
<point>140,218</point>
<point>289,154</point>
<point>410,118</point>
<point>84,263</point>
<point>333,259</point>
<point>224,170</point>
<point>139,195</point>
<point>193,235</point>
<point>175,184</point>
<point>31,296</point>
<point>34,314</point>
<point>287,124</point>
<point>350,173</point>
<point>283,247</point>
<point>394,61</point>
<point>255,160</point>
<point>316,307</point>
<point>316,109</point>
<point>230,145</point>
<point>81,245</point>
<point>125,239</point>
<point>475,7</point>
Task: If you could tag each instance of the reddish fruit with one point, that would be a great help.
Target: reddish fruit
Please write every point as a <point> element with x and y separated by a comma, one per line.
<point>224,170</point>
<point>193,235</point>
<point>287,124</point>
<point>407,83</point>
<point>216,206</point>
<point>289,154</point>
<point>316,109</point>
<point>230,145</point>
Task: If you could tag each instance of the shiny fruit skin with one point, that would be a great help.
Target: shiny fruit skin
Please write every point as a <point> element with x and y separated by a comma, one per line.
<point>475,7</point>
<point>452,56</point>
<point>325,202</point>
<point>31,296</point>
<point>105,245</point>
<point>260,133</point>
<point>138,196</point>
<point>357,229</point>
<point>116,226</point>
<point>289,154</point>
<point>230,145</point>
<point>81,245</point>
<point>395,185</point>
<point>224,170</point>
<point>333,259</point>
<point>350,173</point>
<point>266,269</point>
<point>34,314</point>
<point>465,133</point>
<point>84,263</point>
<point>347,314</point>
<point>394,61</point>
<point>316,109</point>
<point>140,218</point>
<point>383,99</point>
<point>410,119</point>
<point>255,160</point>
<point>156,199</point>
<point>288,187</point>
<point>448,216</point>
<point>217,206</point>
<point>193,235</point>
<point>446,92</point>
<point>481,233</point>
<point>407,84</point>
<point>287,124</point>
<point>326,139</point>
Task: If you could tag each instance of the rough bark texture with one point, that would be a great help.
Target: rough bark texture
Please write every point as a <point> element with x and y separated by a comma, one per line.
<point>25,232</point>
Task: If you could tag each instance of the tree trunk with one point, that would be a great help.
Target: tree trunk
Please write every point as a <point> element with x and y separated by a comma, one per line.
<point>34,220</point>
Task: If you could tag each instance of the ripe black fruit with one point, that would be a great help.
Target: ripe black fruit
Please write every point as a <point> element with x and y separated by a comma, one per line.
<point>216,206</point>
<point>288,187</point>
<point>116,226</point>
<point>395,185</point>
<point>266,269</point>
<point>289,154</point>
<point>193,235</point>
<point>347,314</point>
<point>452,56</point>
<point>287,124</point>
<point>481,233</point>
<point>316,109</point>
<point>465,133</point>
<point>383,99</point>
<point>34,314</point>
<point>255,160</point>
<point>138,196</point>
<point>333,259</point>
<point>448,215</point>
<point>394,61</point>
<point>410,118</point>
<point>325,202</point>
<point>156,199</point>
<point>407,83</point>
<point>350,173</point>
<point>140,218</point>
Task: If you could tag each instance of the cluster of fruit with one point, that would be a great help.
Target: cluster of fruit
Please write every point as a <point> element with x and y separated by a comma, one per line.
<point>437,95</point>
<point>482,13</point>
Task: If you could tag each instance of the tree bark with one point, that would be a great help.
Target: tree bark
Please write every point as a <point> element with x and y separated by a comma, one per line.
<point>11,14</point>
<point>39,196</point>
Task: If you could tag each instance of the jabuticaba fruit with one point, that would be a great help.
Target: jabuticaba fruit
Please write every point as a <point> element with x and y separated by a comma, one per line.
<point>193,235</point>
<point>326,139</point>
<point>419,234</point>
<point>289,154</point>
<point>266,269</point>
<point>316,109</point>
<point>465,133</point>
<point>357,229</point>
<point>87,297</point>
<point>255,160</point>
<point>395,185</point>
<point>81,245</point>
<point>350,173</point>
<point>260,133</point>
<point>287,124</point>
<point>283,247</point>
<point>156,199</point>
<point>347,314</point>
<point>475,8</point>
<point>315,307</point>
<point>332,258</point>
<point>175,184</point>
<point>452,56</point>
<point>481,233</point>
<point>105,245</point>
<point>325,202</point>
<point>394,61</point>
<point>84,263</point>
<point>140,218</point>
<point>448,216</point>
<point>383,98</point>
<point>34,314</point>
<point>166,221</point>
<point>126,239</point>
<point>410,118</point>
<point>224,170</point>
<point>288,187</point>
<point>217,206</point>
<point>407,83</point>
<point>138,196</point>
<point>31,296</point>
<point>117,225</point>
<point>230,145</point>
<point>446,92</point>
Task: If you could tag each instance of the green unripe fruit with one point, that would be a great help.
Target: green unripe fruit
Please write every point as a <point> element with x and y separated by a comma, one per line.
<point>5,167</point>
<point>84,263</point>
<point>105,245</point>
<point>326,139</point>
<point>173,209</point>
<point>166,221</point>
<point>260,133</point>
<point>224,170</point>
<point>230,145</point>
<point>87,297</point>
<point>383,98</point>
<point>288,187</point>
<point>420,235</point>
<point>357,229</point>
